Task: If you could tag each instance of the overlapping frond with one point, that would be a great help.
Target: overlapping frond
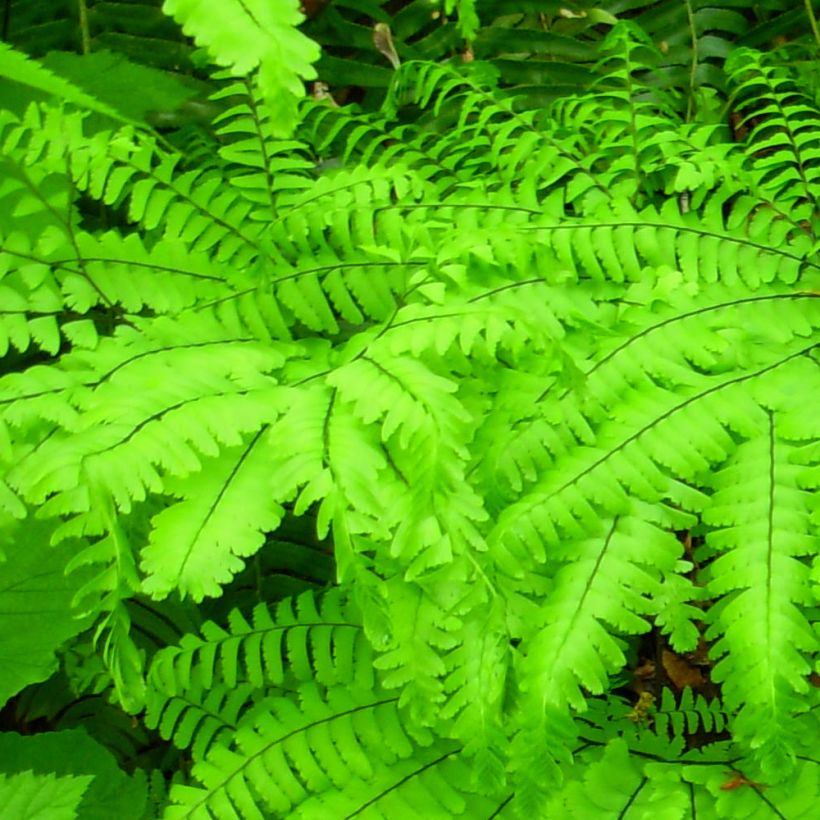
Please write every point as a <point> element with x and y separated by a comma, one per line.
<point>540,378</point>
<point>282,713</point>
<point>16,66</point>
<point>781,122</point>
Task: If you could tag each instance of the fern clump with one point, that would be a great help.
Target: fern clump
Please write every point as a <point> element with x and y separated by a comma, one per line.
<point>541,380</point>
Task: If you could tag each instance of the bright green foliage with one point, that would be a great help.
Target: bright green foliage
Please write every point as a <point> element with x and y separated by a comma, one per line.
<point>17,67</point>
<point>65,775</point>
<point>27,796</point>
<point>330,743</point>
<point>245,35</point>
<point>513,360</point>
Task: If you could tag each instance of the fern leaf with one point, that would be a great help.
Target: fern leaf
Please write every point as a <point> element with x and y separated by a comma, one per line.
<point>783,131</point>
<point>316,756</point>
<point>476,687</point>
<point>292,754</point>
<point>616,782</point>
<point>760,526</point>
<point>198,544</point>
<point>573,647</point>
<point>299,438</point>
<point>434,781</point>
<point>689,715</point>
<point>18,67</point>
<point>111,563</point>
<point>199,718</point>
<point>124,458</point>
<point>260,165</point>
<point>430,427</point>
<point>303,638</point>
<point>412,660</point>
<point>245,36</point>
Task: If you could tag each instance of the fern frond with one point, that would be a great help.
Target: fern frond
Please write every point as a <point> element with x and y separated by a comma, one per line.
<point>132,447</point>
<point>476,686</point>
<point>200,692</point>
<point>572,646</point>
<point>304,639</point>
<point>636,128</point>
<point>261,165</point>
<point>434,780</point>
<point>507,363</point>
<point>104,597</point>
<point>313,750</point>
<point>689,715</point>
<point>18,67</point>
<point>203,716</point>
<point>197,544</point>
<point>250,35</point>
<point>191,206</point>
<point>490,140</point>
<point>782,127</point>
<point>758,534</point>
<point>104,382</point>
<point>679,762</point>
<point>425,430</point>
<point>318,742</point>
<point>341,752</point>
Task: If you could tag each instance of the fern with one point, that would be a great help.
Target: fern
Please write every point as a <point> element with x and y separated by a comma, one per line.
<point>541,381</point>
<point>254,35</point>
<point>692,714</point>
<point>312,748</point>
<point>16,66</point>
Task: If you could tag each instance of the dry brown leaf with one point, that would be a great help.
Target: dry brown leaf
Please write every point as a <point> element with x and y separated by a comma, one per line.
<point>680,671</point>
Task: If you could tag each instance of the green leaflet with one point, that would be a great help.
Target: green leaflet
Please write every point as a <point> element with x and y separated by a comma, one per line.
<point>197,544</point>
<point>327,738</point>
<point>64,775</point>
<point>764,582</point>
<point>27,796</point>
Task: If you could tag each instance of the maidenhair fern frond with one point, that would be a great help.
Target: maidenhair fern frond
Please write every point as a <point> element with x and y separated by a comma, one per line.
<point>782,125</point>
<point>541,383</point>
